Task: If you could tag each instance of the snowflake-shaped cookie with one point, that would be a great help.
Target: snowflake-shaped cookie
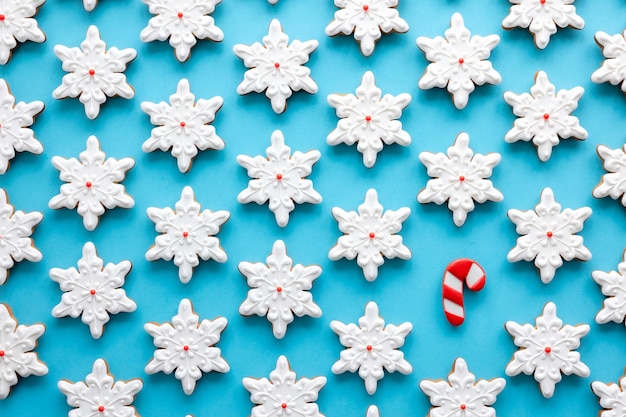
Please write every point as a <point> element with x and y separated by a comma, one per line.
<point>613,285</point>
<point>458,61</point>
<point>370,234</point>
<point>94,72</point>
<point>93,291</point>
<point>612,184</point>
<point>366,18</point>
<point>280,178</point>
<point>90,4</point>
<point>183,22</point>
<point>282,395</point>
<point>279,289</point>
<point>461,395</point>
<point>369,119</point>
<point>276,67</point>
<point>544,116</point>
<point>187,346</point>
<point>187,234</point>
<point>100,394</point>
<point>183,125</point>
<point>16,356</point>
<point>548,235</point>
<point>613,69</point>
<point>612,397</point>
<point>547,350</point>
<point>17,25</point>
<point>459,178</point>
<point>370,347</point>
<point>541,17</point>
<point>92,184</point>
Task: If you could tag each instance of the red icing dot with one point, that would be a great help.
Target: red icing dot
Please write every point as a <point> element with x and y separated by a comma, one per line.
<point>88,184</point>
<point>180,15</point>
<point>462,406</point>
<point>2,17</point>
<point>369,347</point>
<point>542,1</point>
<point>368,118</point>
<point>92,292</point>
<point>101,408</point>
<point>546,116</point>
<point>461,61</point>
<point>366,7</point>
<point>549,234</point>
<point>279,289</point>
<point>183,124</point>
<point>276,65</point>
<point>547,349</point>
<point>1,353</point>
<point>92,71</point>
<point>185,348</point>
<point>372,235</point>
<point>462,178</point>
<point>279,177</point>
<point>185,234</point>
<point>284,405</point>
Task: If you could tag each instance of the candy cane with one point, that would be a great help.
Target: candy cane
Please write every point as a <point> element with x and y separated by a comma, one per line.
<point>458,272</point>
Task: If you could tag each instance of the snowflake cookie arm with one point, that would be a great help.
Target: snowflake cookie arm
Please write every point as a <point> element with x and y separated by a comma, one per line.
<point>613,69</point>
<point>611,397</point>
<point>612,184</point>
<point>89,5</point>
<point>613,285</point>
<point>18,25</point>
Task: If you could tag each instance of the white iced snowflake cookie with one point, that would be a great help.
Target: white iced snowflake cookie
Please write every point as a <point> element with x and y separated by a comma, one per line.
<point>547,349</point>
<point>93,291</point>
<point>280,178</point>
<point>370,234</point>
<point>461,395</point>
<point>283,395</point>
<point>186,346</point>
<point>458,61</point>
<point>613,69</point>
<point>369,119</point>
<point>544,117</point>
<point>92,184</point>
<point>370,347</point>
<point>187,234</point>
<point>100,394</point>
<point>279,289</point>
<point>183,22</point>
<point>612,184</point>
<point>460,178</point>
<point>611,396</point>
<point>276,67</point>
<point>541,17</point>
<point>18,25</point>
<point>89,5</point>
<point>16,355</point>
<point>366,18</point>
<point>94,72</point>
<point>549,235</point>
<point>613,286</point>
<point>183,125</point>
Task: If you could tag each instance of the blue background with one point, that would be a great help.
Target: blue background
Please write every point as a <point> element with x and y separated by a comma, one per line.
<point>405,290</point>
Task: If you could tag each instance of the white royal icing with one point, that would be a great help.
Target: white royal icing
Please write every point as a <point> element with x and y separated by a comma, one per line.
<point>101,392</point>
<point>187,234</point>
<point>462,395</point>
<point>372,411</point>
<point>279,289</point>
<point>370,234</point>
<point>612,184</point>
<point>186,346</point>
<point>460,178</point>
<point>366,18</point>
<point>18,25</point>
<point>369,119</point>
<point>16,227</point>
<point>545,116</point>
<point>280,178</point>
<point>183,22</point>
<point>276,67</point>
<point>282,395</point>
<point>94,72</point>
<point>611,397</point>
<point>549,235</point>
<point>183,125</point>
<point>458,61</point>
<point>93,291</point>
<point>92,184</point>
<point>613,285</point>
<point>370,347</point>
<point>16,345</point>
<point>541,17</point>
<point>547,350</point>
<point>613,69</point>
<point>90,4</point>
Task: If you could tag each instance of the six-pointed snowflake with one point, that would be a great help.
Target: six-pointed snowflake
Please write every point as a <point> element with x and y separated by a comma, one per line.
<point>369,119</point>
<point>459,178</point>
<point>187,234</point>
<point>182,21</point>
<point>613,69</point>
<point>612,184</point>
<point>370,347</point>
<point>15,230</point>
<point>541,17</point>
<point>279,289</point>
<point>93,291</point>
<point>16,356</point>
<point>613,285</point>
<point>94,72</point>
<point>544,116</point>
<point>276,67</point>
<point>370,234</point>
<point>187,346</point>
<point>280,178</point>
<point>547,350</point>
<point>183,125</point>
<point>92,184</point>
<point>100,394</point>
<point>17,25</point>
<point>458,61</point>
<point>612,397</point>
<point>366,18</point>
<point>282,395</point>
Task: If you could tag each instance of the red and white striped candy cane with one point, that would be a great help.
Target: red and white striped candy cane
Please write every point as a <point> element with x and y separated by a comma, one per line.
<point>458,272</point>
